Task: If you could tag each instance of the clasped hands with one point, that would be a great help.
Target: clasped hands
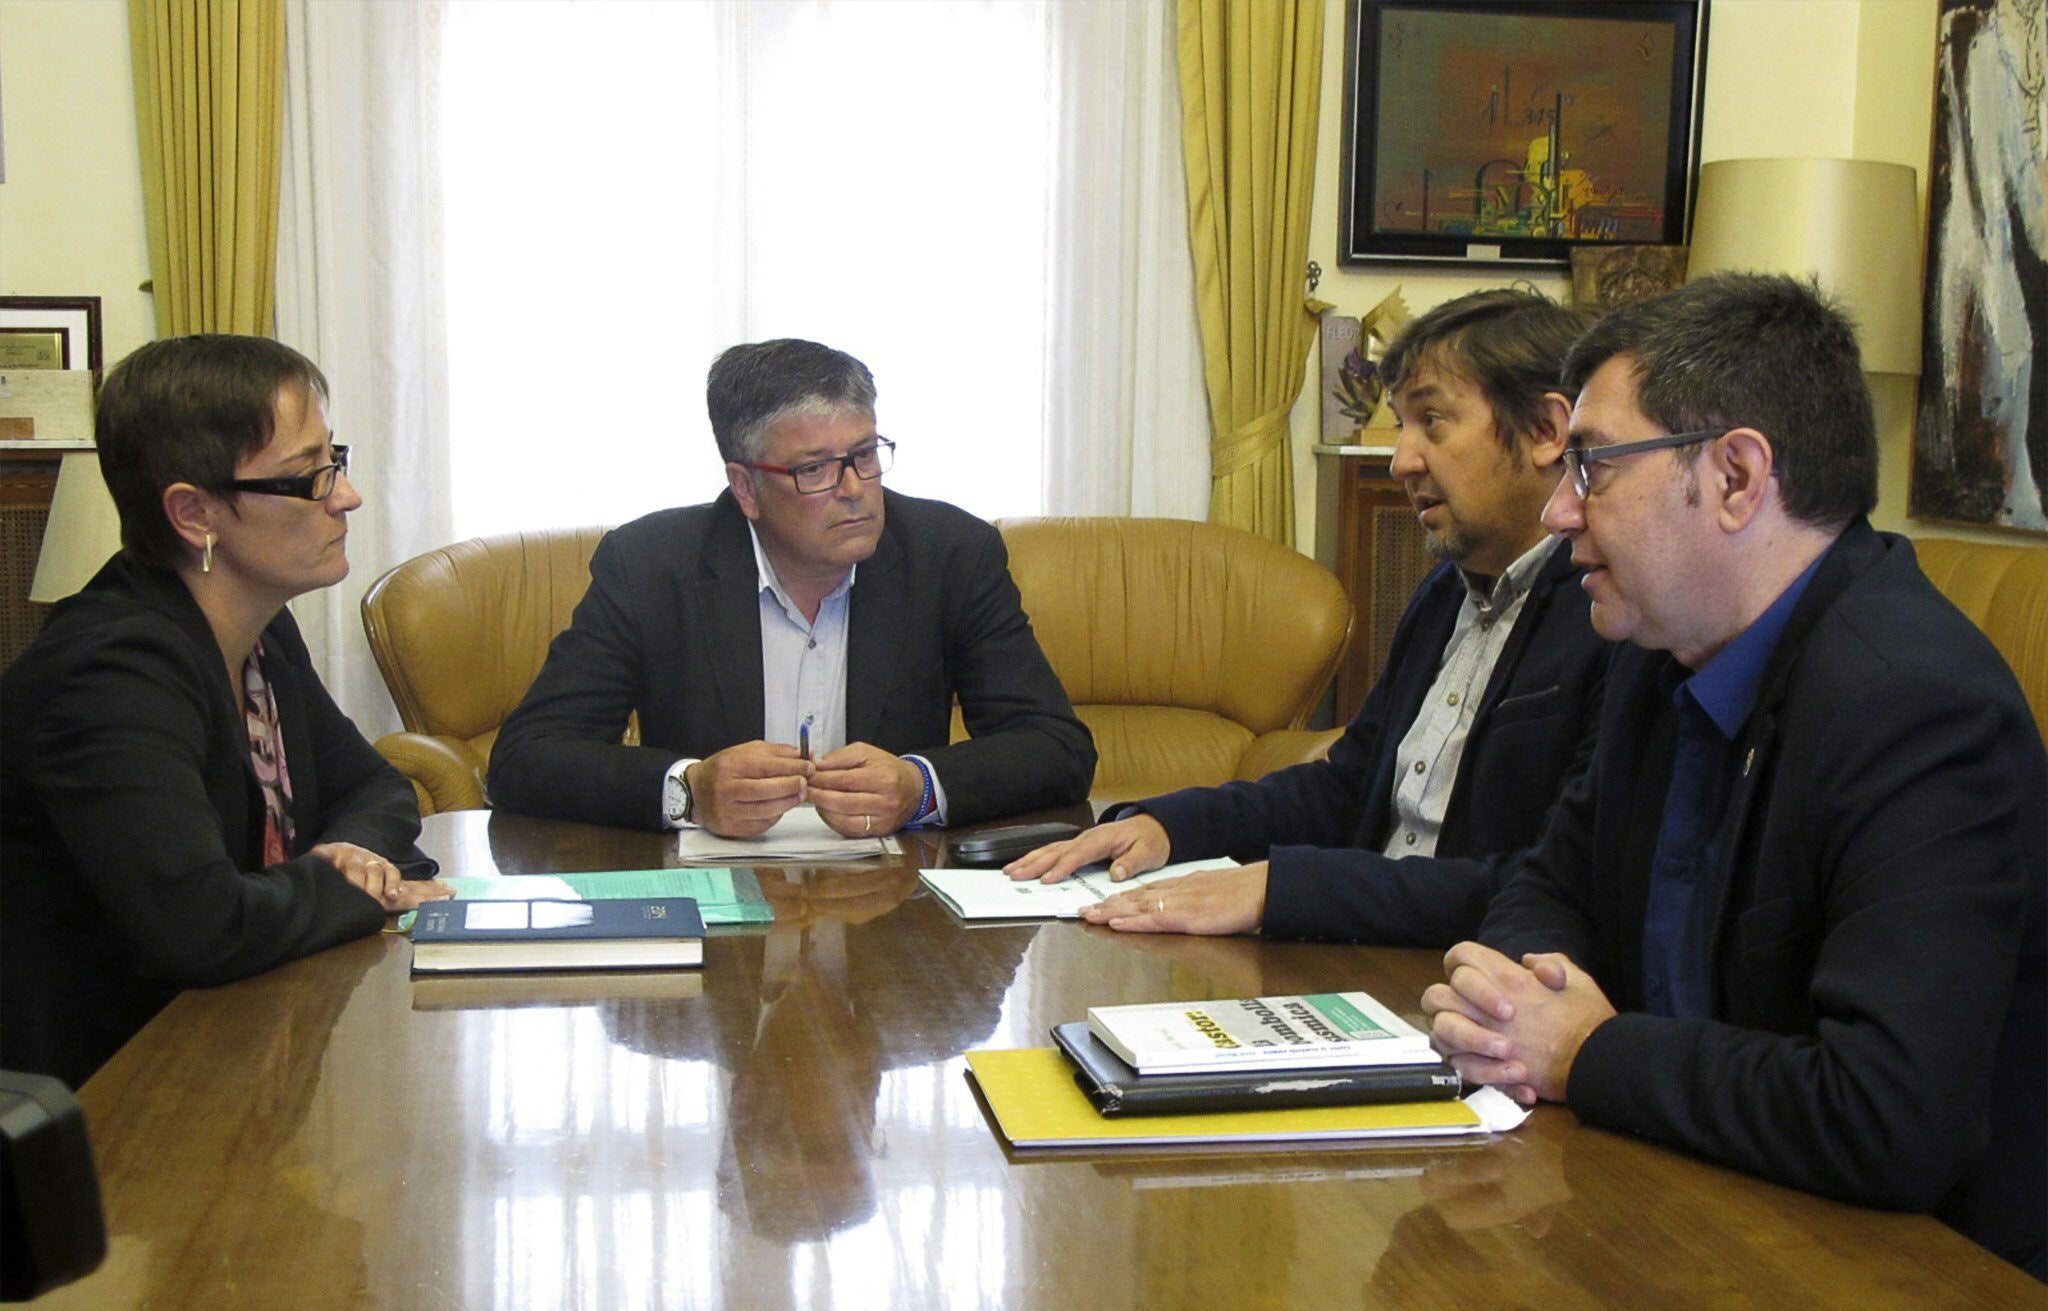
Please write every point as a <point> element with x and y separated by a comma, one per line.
<point>1518,1026</point>
<point>1210,901</point>
<point>1515,1025</point>
<point>859,790</point>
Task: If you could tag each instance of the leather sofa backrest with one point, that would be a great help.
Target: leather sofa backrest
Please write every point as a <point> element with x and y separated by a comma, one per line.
<point>1170,612</point>
<point>1178,642</point>
<point>2004,590</point>
<point>460,632</point>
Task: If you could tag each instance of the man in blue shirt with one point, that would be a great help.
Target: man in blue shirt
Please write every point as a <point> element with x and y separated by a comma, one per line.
<point>1795,917</point>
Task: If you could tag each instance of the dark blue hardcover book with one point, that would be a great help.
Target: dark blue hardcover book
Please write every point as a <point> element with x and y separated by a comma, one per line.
<point>626,933</point>
<point>1116,1089</point>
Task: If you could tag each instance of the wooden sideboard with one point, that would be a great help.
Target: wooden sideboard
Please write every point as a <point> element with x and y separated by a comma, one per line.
<point>1367,533</point>
<point>28,479</point>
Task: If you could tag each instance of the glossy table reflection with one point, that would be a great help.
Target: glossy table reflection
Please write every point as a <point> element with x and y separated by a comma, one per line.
<point>792,1127</point>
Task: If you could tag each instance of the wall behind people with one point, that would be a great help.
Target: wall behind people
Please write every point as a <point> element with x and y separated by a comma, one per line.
<point>1846,78</point>
<point>71,207</point>
<point>1784,77</point>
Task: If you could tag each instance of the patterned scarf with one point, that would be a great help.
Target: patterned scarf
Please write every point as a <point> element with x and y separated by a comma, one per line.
<point>266,757</point>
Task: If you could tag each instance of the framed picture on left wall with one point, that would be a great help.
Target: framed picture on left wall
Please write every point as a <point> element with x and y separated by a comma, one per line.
<point>45,332</point>
<point>49,365</point>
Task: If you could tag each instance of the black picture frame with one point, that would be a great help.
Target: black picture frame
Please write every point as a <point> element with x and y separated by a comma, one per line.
<point>77,318</point>
<point>1438,183</point>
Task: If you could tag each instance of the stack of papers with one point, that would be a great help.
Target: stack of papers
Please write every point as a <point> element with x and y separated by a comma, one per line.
<point>1098,1095</point>
<point>801,834</point>
<point>1035,1102</point>
<point>990,894</point>
<point>1116,1089</point>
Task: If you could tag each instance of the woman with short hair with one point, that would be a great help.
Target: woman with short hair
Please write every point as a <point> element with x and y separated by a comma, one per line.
<point>181,803</point>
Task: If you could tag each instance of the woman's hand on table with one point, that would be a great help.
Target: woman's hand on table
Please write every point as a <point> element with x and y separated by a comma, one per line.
<point>379,878</point>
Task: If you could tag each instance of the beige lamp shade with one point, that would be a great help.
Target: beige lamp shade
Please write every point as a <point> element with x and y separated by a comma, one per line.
<point>83,529</point>
<point>1852,223</point>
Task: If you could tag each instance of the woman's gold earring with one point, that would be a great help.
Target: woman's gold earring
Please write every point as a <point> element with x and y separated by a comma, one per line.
<point>206,560</point>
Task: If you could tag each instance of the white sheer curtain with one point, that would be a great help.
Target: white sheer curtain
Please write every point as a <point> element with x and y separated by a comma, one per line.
<point>360,291</point>
<point>688,176</point>
<point>1127,416</point>
<point>981,198</point>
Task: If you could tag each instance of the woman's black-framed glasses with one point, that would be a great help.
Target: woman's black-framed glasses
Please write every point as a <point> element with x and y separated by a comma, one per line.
<point>1580,461</point>
<point>315,486</point>
<point>868,463</point>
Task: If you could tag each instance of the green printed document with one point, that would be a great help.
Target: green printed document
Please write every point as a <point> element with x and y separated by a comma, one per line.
<point>721,896</point>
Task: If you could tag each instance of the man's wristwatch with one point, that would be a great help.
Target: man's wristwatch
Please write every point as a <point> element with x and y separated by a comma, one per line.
<point>677,805</point>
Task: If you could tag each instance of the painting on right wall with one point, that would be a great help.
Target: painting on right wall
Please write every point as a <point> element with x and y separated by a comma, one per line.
<point>1980,451</point>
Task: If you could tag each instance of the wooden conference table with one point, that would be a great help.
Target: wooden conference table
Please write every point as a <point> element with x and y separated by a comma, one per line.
<point>793,1127</point>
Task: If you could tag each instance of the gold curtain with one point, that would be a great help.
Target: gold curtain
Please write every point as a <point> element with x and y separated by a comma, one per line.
<point>1251,88</point>
<point>209,109</point>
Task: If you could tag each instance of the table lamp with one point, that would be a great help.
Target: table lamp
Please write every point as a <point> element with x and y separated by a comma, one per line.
<point>1853,223</point>
<point>83,529</point>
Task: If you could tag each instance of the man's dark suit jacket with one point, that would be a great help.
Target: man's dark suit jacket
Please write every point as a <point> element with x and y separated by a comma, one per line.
<point>131,826</point>
<point>1878,966</point>
<point>671,627</point>
<point>1321,824</point>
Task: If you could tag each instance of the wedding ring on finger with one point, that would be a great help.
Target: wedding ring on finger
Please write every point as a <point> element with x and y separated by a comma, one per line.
<point>867,823</point>
<point>1161,910</point>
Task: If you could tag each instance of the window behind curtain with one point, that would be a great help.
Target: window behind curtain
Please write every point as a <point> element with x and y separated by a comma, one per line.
<point>631,187</point>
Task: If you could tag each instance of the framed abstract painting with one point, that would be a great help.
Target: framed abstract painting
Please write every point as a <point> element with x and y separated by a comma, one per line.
<point>1980,448</point>
<point>1514,131</point>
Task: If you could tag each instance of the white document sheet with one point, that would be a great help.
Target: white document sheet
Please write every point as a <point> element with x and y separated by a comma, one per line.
<point>801,834</point>
<point>990,894</point>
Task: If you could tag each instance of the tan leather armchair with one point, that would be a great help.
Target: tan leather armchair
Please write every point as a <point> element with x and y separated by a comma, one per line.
<point>2004,590</point>
<point>1193,652</point>
<point>459,634</point>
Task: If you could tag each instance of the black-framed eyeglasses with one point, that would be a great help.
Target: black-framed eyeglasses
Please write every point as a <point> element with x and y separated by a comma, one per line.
<point>315,486</point>
<point>1580,461</point>
<point>868,463</point>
